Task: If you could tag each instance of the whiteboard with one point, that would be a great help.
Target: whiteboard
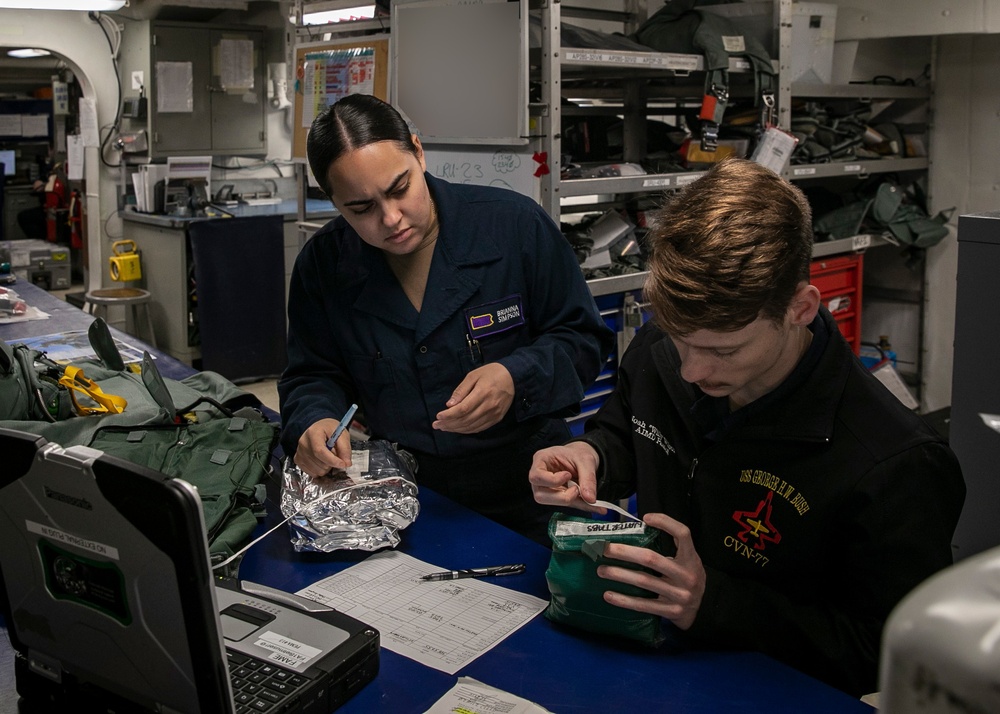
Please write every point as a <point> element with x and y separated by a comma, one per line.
<point>460,69</point>
<point>506,167</point>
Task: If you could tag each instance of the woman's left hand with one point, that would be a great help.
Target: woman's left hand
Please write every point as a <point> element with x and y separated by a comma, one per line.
<point>479,402</point>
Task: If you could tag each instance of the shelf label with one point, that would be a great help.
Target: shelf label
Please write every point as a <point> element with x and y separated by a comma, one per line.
<point>685,63</point>
<point>804,171</point>
<point>852,168</point>
<point>598,57</point>
<point>680,62</point>
<point>656,183</point>
<point>861,242</point>
<point>688,178</point>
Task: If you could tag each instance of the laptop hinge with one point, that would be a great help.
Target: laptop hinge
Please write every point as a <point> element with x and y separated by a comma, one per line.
<point>45,666</point>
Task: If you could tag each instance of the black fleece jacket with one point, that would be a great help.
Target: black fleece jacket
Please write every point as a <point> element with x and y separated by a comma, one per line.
<point>814,509</point>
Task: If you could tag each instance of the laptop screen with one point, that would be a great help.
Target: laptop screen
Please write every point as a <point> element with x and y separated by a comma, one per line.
<point>106,575</point>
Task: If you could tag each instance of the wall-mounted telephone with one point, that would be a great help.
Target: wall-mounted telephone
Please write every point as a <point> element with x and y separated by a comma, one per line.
<point>134,107</point>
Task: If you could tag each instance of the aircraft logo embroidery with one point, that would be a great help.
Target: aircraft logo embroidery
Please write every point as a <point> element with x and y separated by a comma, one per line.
<point>757,525</point>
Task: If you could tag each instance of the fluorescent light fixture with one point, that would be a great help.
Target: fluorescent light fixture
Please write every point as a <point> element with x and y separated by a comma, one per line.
<point>364,12</point>
<point>85,5</point>
<point>27,53</point>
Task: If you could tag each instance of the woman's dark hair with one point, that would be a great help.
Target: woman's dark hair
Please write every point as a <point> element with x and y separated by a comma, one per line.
<point>355,121</point>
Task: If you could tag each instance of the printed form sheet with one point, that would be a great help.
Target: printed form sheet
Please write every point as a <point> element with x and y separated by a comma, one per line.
<point>444,624</point>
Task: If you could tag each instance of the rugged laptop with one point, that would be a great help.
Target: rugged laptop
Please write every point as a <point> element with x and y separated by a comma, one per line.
<point>111,604</point>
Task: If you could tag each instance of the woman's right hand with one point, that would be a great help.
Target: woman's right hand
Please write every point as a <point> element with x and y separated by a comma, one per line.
<point>312,454</point>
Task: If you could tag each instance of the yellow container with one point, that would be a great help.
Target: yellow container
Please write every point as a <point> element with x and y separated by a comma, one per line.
<point>125,261</point>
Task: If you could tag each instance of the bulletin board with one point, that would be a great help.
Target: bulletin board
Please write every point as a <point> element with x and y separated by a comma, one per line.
<point>327,71</point>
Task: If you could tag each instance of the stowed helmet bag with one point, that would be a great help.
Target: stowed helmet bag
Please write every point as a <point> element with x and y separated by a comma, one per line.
<point>680,27</point>
<point>577,591</point>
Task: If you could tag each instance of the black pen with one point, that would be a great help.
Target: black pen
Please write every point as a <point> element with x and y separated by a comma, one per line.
<point>476,572</point>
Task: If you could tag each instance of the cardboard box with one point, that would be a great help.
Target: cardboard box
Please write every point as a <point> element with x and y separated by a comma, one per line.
<point>813,29</point>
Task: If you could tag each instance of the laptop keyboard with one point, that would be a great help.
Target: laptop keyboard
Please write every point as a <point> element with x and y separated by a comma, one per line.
<point>259,686</point>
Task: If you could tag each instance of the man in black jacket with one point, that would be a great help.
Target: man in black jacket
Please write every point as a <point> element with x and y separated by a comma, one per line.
<point>804,500</point>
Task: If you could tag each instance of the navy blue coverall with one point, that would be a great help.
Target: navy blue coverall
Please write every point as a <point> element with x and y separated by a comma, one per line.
<point>504,286</point>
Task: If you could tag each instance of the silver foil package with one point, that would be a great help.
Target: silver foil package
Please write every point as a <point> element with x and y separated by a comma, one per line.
<point>363,508</point>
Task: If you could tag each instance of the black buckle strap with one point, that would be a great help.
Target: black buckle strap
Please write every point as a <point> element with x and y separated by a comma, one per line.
<point>713,108</point>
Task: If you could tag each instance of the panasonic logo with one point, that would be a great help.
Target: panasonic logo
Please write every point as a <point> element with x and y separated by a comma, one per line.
<point>67,499</point>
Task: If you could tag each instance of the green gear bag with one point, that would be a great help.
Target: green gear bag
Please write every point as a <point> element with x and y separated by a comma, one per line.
<point>224,458</point>
<point>842,222</point>
<point>900,211</point>
<point>892,209</point>
<point>202,428</point>
<point>577,591</point>
<point>912,227</point>
<point>888,199</point>
<point>680,27</point>
<point>29,386</point>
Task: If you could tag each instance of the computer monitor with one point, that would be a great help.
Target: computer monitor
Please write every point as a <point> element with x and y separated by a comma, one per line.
<point>8,160</point>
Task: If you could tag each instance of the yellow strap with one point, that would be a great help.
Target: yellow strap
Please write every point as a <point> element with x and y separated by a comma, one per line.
<point>74,379</point>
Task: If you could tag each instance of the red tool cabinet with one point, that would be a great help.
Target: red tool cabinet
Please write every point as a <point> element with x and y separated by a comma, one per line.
<point>839,281</point>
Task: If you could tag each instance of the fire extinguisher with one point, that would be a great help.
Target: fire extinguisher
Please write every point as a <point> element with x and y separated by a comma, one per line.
<point>75,220</point>
<point>55,200</point>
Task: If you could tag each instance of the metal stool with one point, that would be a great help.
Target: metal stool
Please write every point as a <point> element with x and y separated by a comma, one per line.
<point>132,297</point>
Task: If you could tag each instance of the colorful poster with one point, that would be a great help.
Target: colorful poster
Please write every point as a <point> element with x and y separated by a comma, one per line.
<point>328,76</point>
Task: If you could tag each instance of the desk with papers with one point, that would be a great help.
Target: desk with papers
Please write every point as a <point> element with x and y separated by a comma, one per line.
<point>559,669</point>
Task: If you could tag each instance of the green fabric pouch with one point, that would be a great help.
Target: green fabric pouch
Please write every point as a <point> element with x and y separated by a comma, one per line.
<point>842,222</point>
<point>577,591</point>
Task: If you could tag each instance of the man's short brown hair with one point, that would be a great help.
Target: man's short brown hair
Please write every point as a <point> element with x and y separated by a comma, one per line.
<point>731,247</point>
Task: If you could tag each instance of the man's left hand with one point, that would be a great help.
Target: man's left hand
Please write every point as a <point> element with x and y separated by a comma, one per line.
<point>679,583</point>
<point>479,402</point>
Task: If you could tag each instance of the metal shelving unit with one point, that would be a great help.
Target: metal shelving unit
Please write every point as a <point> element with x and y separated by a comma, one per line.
<point>635,85</point>
<point>622,83</point>
<point>632,70</point>
<point>859,169</point>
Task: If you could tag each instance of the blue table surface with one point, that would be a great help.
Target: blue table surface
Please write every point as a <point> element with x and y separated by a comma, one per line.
<point>561,669</point>
<point>64,317</point>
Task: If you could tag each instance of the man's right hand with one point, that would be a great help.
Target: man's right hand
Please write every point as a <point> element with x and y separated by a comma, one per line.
<point>312,455</point>
<point>566,476</point>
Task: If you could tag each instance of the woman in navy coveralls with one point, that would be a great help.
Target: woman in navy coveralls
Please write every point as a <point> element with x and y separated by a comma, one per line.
<point>456,316</point>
